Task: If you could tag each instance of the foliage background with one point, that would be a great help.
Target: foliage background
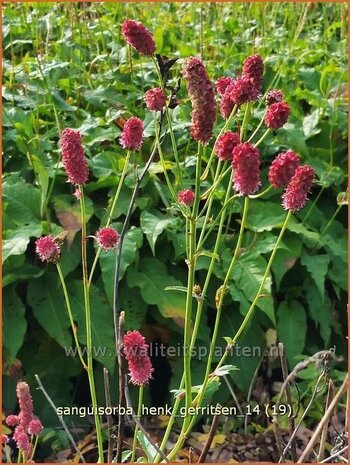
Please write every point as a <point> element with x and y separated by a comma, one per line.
<point>66,65</point>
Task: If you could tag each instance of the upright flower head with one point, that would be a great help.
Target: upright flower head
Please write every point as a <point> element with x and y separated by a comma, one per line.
<point>226,104</point>
<point>243,90</point>
<point>253,68</point>
<point>246,168</point>
<point>25,404</point>
<point>295,195</point>
<point>136,354</point>
<point>273,96</point>
<point>107,238</point>
<point>155,99</point>
<point>186,197</point>
<point>225,144</point>
<point>277,115</point>
<point>73,157</point>
<point>223,83</point>
<point>48,249</point>
<point>283,168</point>
<point>202,97</point>
<point>132,135</point>
<point>138,36</point>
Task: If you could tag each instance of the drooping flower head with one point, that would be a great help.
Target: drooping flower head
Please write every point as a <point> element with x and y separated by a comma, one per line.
<point>225,145</point>
<point>243,90</point>
<point>202,96</point>
<point>277,115</point>
<point>283,168</point>
<point>295,195</point>
<point>48,249</point>
<point>253,68</point>
<point>136,353</point>
<point>155,99</point>
<point>186,197</point>
<point>73,157</point>
<point>138,36</point>
<point>246,168</point>
<point>107,238</point>
<point>273,96</point>
<point>132,135</point>
<point>223,83</point>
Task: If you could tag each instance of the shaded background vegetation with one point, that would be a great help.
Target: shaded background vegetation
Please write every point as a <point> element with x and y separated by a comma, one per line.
<point>66,65</point>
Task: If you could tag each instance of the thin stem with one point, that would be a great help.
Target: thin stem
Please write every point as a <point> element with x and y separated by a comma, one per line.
<point>110,214</point>
<point>268,130</point>
<point>246,119</point>
<point>88,327</point>
<point>139,410</point>
<point>257,128</point>
<point>261,194</point>
<point>70,314</point>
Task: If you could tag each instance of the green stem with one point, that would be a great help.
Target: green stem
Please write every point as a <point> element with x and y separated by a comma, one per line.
<point>261,194</point>
<point>139,410</point>
<point>257,128</point>
<point>268,130</point>
<point>110,214</point>
<point>70,314</point>
<point>246,119</point>
<point>197,401</point>
<point>89,329</point>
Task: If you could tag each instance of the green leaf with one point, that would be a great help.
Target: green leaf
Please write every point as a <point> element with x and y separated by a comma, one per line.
<point>14,323</point>
<point>45,296</point>
<point>132,242</point>
<point>291,328</point>
<point>265,216</point>
<point>134,307</point>
<point>22,202</point>
<point>153,226</point>
<point>225,370</point>
<point>147,447</point>
<point>16,242</point>
<point>320,310</point>
<point>101,322</point>
<point>152,277</point>
<point>43,177</point>
<point>310,124</point>
<point>176,288</point>
<point>317,266</point>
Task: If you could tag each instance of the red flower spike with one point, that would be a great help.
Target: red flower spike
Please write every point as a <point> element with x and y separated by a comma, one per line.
<point>73,157</point>
<point>283,168</point>
<point>246,169</point>
<point>132,135</point>
<point>295,195</point>
<point>186,197</point>
<point>155,99</point>
<point>107,238</point>
<point>138,36</point>
<point>277,115</point>
<point>225,144</point>
<point>136,353</point>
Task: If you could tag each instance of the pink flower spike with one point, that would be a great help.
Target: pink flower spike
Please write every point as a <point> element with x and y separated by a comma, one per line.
<point>35,427</point>
<point>48,249</point>
<point>283,168</point>
<point>223,83</point>
<point>202,96</point>
<point>73,157</point>
<point>136,353</point>
<point>226,104</point>
<point>12,420</point>
<point>4,439</point>
<point>155,99</point>
<point>25,404</point>
<point>186,197</point>
<point>132,135</point>
<point>243,90</point>
<point>138,36</point>
<point>107,238</point>
<point>246,169</point>
<point>253,68</point>
<point>225,144</point>
<point>277,115</point>
<point>295,195</point>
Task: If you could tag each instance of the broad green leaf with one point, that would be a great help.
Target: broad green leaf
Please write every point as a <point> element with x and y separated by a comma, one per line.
<point>320,310</point>
<point>152,278</point>
<point>291,328</point>
<point>14,323</point>
<point>45,296</point>
<point>101,322</point>
<point>24,272</point>
<point>153,226</point>
<point>22,202</point>
<point>317,266</point>
<point>132,242</point>
<point>310,124</point>
<point>16,241</point>
<point>265,216</point>
<point>43,177</point>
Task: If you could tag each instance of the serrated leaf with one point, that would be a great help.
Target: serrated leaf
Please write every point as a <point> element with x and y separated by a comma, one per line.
<point>153,226</point>
<point>291,328</point>
<point>317,266</point>
<point>224,370</point>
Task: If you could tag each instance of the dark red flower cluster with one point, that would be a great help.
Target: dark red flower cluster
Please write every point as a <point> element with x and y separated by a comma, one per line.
<point>295,195</point>
<point>225,144</point>
<point>253,68</point>
<point>132,135</point>
<point>246,168</point>
<point>138,36</point>
<point>277,115</point>
<point>226,104</point>
<point>155,99</point>
<point>136,354</point>
<point>107,238</point>
<point>243,90</point>
<point>283,168</point>
<point>48,249</point>
<point>186,197</point>
<point>223,83</point>
<point>73,157</point>
<point>25,423</point>
<point>202,96</point>
<point>273,96</point>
